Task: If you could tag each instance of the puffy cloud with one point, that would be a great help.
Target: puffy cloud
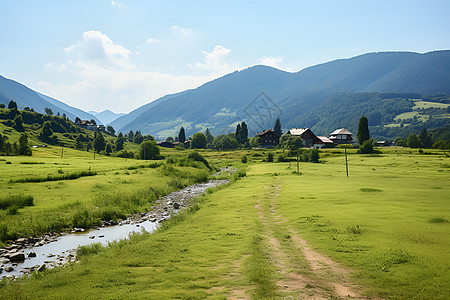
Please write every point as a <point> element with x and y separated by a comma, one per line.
<point>98,88</point>
<point>116,3</point>
<point>153,41</point>
<point>98,48</point>
<point>186,32</point>
<point>218,61</point>
<point>271,61</point>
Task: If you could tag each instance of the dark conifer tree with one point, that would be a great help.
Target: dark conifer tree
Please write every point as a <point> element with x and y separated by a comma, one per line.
<point>277,127</point>
<point>209,136</point>
<point>363,130</point>
<point>182,136</point>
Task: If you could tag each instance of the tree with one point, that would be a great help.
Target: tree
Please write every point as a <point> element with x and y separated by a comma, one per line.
<point>24,147</point>
<point>64,116</point>
<point>26,108</point>
<point>182,136</point>
<point>48,111</point>
<point>130,136</point>
<point>119,142</point>
<point>12,105</point>
<point>366,147</point>
<point>425,138</point>
<point>149,150</point>
<point>209,137</point>
<point>108,149</point>
<point>2,105</point>
<point>277,127</point>
<point>138,138</point>
<point>47,131</point>
<point>363,130</point>
<point>198,141</point>
<point>18,123</point>
<point>77,120</point>
<point>110,130</point>
<point>170,139</point>
<point>243,134</point>
<point>238,133</point>
<point>99,142</point>
<point>58,114</point>
<point>413,141</point>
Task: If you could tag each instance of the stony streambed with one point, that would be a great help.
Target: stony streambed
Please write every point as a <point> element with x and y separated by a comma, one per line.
<point>28,255</point>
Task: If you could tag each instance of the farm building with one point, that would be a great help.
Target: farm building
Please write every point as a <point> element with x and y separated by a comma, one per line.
<point>268,139</point>
<point>324,142</point>
<point>341,136</point>
<point>309,139</point>
<point>165,144</point>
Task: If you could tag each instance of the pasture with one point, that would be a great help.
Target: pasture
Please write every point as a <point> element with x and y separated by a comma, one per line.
<point>381,232</point>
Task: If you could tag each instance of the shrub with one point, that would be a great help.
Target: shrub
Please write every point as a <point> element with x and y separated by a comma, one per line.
<point>313,155</point>
<point>16,201</point>
<point>366,147</point>
<point>270,156</point>
<point>244,159</point>
<point>194,155</point>
<point>282,158</point>
<point>89,249</point>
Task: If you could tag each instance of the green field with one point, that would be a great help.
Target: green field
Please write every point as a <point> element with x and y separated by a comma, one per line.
<point>120,187</point>
<point>381,232</point>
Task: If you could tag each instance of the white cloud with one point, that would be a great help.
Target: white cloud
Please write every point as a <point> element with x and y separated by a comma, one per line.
<point>98,48</point>
<point>217,61</point>
<point>186,32</point>
<point>271,61</point>
<point>116,3</point>
<point>103,77</point>
<point>153,41</point>
<point>98,88</point>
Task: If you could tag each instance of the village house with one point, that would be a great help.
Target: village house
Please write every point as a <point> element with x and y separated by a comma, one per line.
<point>309,139</point>
<point>323,142</point>
<point>268,139</point>
<point>87,124</point>
<point>341,136</point>
<point>165,144</point>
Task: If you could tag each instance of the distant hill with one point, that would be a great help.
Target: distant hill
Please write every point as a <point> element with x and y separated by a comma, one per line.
<point>106,116</point>
<point>296,97</point>
<point>26,97</point>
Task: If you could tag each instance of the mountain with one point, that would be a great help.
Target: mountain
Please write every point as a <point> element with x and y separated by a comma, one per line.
<point>26,97</point>
<point>76,112</point>
<point>238,96</point>
<point>106,116</point>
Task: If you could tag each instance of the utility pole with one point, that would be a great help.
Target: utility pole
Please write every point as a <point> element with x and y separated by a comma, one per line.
<point>346,164</point>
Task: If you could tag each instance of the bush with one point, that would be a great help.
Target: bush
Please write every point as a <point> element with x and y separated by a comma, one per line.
<point>16,201</point>
<point>282,158</point>
<point>197,157</point>
<point>149,150</point>
<point>366,147</point>
<point>126,154</point>
<point>270,156</point>
<point>313,155</point>
<point>244,159</point>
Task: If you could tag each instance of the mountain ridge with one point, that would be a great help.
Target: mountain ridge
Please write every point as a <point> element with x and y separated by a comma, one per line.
<point>219,104</point>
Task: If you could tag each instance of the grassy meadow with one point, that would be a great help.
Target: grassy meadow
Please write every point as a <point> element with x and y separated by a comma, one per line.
<point>101,189</point>
<point>387,224</point>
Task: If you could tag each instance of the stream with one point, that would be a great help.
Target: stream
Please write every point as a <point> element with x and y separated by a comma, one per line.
<point>36,254</point>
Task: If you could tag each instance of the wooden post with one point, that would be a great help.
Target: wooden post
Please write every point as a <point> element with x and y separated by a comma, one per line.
<point>126,155</point>
<point>94,154</point>
<point>62,152</point>
<point>298,163</point>
<point>346,164</point>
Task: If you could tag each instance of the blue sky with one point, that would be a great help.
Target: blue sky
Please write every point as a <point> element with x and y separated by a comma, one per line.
<point>119,55</point>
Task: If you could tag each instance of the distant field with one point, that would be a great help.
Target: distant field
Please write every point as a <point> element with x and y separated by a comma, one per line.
<point>411,115</point>
<point>387,224</point>
<point>426,104</point>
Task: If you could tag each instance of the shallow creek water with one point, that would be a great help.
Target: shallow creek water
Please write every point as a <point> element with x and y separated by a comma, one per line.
<point>63,248</point>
